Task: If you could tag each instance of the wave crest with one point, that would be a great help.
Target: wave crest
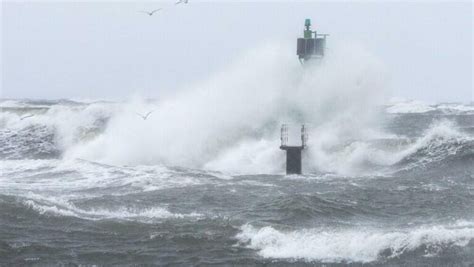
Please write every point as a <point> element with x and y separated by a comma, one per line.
<point>354,245</point>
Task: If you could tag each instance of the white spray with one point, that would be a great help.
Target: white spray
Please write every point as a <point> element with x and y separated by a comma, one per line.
<point>231,122</point>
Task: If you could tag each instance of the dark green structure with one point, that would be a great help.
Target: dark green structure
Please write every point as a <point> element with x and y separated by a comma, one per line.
<point>312,45</point>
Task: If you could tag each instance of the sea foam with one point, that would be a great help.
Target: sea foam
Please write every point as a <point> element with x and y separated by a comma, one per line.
<point>353,245</point>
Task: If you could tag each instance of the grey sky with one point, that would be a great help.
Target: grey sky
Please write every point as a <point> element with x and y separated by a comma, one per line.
<point>108,50</point>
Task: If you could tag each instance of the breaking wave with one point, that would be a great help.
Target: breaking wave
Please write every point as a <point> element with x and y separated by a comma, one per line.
<point>440,144</point>
<point>419,107</point>
<point>124,213</point>
<point>354,245</point>
<point>230,123</point>
<point>31,131</point>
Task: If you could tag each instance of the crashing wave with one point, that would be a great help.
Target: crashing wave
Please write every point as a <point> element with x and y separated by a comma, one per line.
<point>124,213</point>
<point>31,142</point>
<point>354,245</point>
<point>440,143</point>
<point>73,131</point>
<point>231,122</point>
<point>410,107</point>
<point>28,132</point>
<point>419,107</point>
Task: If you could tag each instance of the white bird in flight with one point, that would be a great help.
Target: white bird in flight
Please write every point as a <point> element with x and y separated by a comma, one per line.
<point>144,117</point>
<point>181,2</point>
<point>27,116</point>
<point>150,13</point>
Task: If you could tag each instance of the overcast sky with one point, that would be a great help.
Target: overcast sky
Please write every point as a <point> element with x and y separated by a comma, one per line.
<point>107,50</point>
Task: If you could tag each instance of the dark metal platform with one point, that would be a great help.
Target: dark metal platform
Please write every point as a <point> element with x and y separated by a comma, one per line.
<point>293,153</point>
<point>293,159</point>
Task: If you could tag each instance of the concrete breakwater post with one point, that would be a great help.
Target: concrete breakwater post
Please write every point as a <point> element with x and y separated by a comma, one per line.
<point>293,153</point>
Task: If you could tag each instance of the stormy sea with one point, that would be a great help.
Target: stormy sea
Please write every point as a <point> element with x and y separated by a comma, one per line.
<point>201,180</point>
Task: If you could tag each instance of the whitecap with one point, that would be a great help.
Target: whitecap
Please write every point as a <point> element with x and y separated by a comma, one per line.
<point>352,245</point>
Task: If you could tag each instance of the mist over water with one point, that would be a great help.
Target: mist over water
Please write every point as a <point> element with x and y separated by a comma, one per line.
<point>201,180</point>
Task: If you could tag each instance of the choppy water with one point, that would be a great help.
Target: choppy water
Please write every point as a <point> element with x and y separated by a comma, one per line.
<point>402,198</point>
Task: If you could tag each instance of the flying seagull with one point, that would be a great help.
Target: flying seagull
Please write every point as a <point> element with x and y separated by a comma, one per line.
<point>27,116</point>
<point>181,2</point>
<point>144,117</point>
<point>151,12</point>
